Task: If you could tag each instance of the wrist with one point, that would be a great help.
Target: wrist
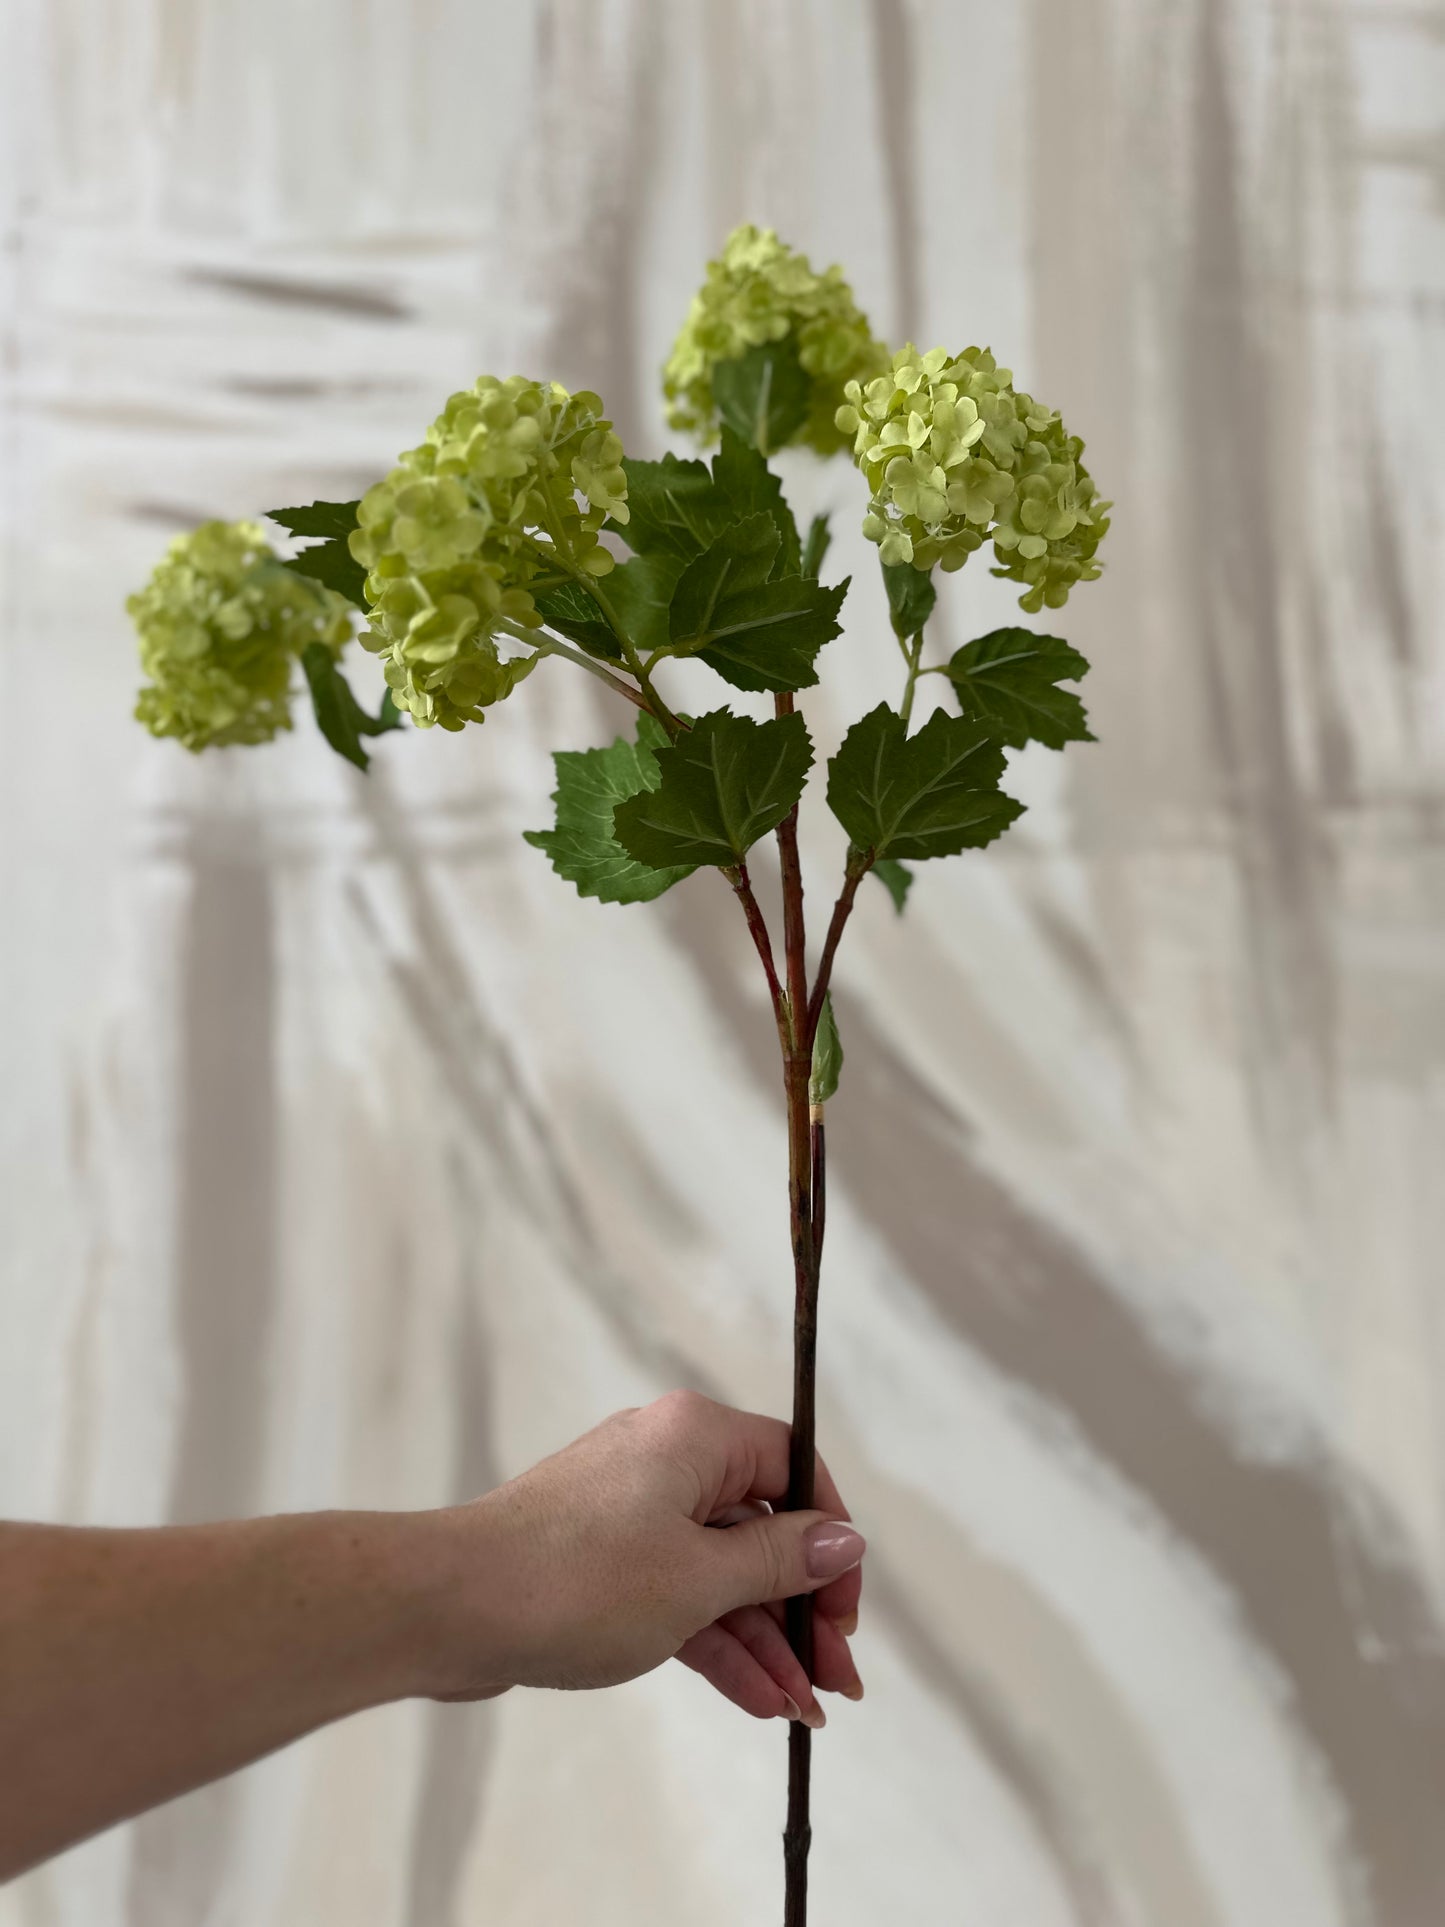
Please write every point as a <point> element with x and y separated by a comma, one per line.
<point>451,1636</point>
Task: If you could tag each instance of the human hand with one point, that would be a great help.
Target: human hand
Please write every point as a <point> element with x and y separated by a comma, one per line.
<point>646,1539</point>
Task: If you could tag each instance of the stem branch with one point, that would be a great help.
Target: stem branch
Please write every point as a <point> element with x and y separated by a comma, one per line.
<point>763,943</point>
<point>913,654</point>
<point>561,552</point>
<point>860,862</point>
<point>549,645</point>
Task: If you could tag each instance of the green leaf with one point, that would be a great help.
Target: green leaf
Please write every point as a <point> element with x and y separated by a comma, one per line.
<point>638,591</point>
<point>827,1055</point>
<point>747,486</point>
<point>896,878</point>
<point>334,566</point>
<point>763,395</point>
<point>725,782</point>
<point>641,592</point>
<point>590,785</point>
<point>573,613</point>
<point>681,508</point>
<point>339,716</point>
<point>317,518</point>
<point>932,794</point>
<point>738,560</point>
<point>329,562</point>
<point>911,596</point>
<point>756,629</point>
<point>768,637</point>
<point>1007,681</point>
<point>673,508</point>
<point>816,547</point>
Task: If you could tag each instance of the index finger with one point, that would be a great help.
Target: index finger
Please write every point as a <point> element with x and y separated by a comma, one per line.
<point>750,1461</point>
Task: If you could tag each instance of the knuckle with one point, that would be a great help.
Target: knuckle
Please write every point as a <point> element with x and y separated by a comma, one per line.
<point>683,1407</point>
<point>771,1564</point>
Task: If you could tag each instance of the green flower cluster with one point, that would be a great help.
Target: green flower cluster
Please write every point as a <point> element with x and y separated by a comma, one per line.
<point>465,527</point>
<point>221,623</point>
<point>951,451</point>
<point>759,291</point>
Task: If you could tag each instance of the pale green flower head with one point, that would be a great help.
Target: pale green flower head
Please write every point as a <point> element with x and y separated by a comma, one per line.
<point>221,623</point>
<point>759,290</point>
<point>952,453</point>
<point>1049,529</point>
<point>508,492</point>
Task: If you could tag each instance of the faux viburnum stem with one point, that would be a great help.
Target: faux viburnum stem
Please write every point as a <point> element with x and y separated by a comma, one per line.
<point>797,1065</point>
<point>493,528</point>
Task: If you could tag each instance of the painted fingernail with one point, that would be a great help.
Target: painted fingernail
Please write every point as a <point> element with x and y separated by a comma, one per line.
<point>791,1708</point>
<point>814,1717</point>
<point>832,1549</point>
<point>848,1624</point>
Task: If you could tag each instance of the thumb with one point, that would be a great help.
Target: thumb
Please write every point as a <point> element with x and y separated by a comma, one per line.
<point>775,1556</point>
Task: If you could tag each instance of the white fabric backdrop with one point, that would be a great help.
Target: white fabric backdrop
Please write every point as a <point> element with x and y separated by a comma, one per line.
<point>350,1159</point>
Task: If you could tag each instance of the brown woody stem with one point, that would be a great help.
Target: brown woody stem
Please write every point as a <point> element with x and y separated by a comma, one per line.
<point>820,1178</point>
<point>798,1616</point>
<point>797,1065</point>
<point>794,931</point>
<point>796,1013</point>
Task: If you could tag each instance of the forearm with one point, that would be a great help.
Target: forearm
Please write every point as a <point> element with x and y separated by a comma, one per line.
<point>137,1664</point>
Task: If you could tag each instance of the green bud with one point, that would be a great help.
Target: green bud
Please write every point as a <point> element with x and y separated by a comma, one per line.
<point>221,624</point>
<point>759,290</point>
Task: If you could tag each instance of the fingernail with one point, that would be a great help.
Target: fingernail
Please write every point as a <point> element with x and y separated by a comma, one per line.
<point>855,1691</point>
<point>791,1708</point>
<point>832,1549</point>
<point>848,1624</point>
<point>814,1717</point>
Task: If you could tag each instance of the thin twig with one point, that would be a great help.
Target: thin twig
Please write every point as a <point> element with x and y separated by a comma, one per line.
<point>561,551</point>
<point>763,943</point>
<point>859,864</point>
<point>913,655</point>
<point>549,645</point>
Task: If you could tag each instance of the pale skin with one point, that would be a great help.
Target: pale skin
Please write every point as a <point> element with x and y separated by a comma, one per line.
<point>136,1664</point>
